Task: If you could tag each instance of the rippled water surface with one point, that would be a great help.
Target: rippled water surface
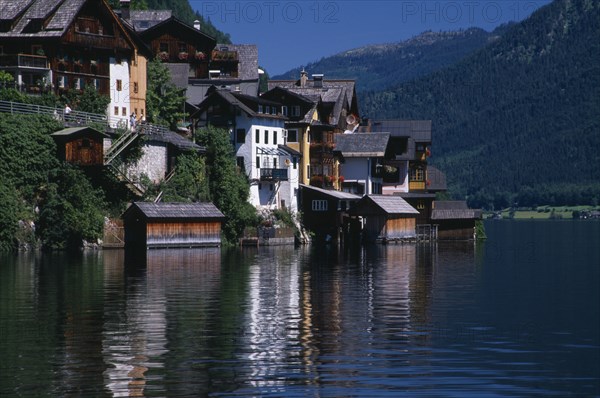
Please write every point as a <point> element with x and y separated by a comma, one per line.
<point>515,316</point>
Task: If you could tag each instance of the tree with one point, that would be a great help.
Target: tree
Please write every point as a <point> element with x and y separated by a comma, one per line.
<point>229,189</point>
<point>8,216</point>
<point>189,183</point>
<point>164,101</point>
<point>71,209</point>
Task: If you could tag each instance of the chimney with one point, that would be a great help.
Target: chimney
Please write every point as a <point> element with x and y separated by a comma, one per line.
<point>197,24</point>
<point>303,78</point>
<point>125,9</point>
<point>318,80</point>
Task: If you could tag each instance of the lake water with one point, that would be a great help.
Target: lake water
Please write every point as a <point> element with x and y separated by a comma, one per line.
<point>516,316</point>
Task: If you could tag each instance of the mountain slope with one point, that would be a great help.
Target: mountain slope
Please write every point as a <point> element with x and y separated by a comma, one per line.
<point>520,119</point>
<point>379,66</point>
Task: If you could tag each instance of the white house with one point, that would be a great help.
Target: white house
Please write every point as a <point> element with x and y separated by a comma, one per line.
<point>257,132</point>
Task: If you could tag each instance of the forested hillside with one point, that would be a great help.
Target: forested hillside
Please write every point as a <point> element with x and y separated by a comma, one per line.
<point>380,66</point>
<point>518,121</point>
<point>182,10</point>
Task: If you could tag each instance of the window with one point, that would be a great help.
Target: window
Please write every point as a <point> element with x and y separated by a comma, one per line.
<point>275,137</point>
<point>95,83</point>
<point>417,175</point>
<point>292,135</point>
<point>260,109</point>
<point>266,136</point>
<point>164,47</point>
<point>62,82</point>
<point>258,162</point>
<point>319,205</point>
<point>296,110</point>
<point>78,84</point>
<point>119,84</point>
<point>182,47</point>
<point>270,187</point>
<point>295,162</point>
<point>135,87</point>
<point>274,163</point>
<point>116,111</point>
<point>257,136</point>
<point>284,110</point>
<point>259,186</point>
<point>123,111</point>
<point>240,136</point>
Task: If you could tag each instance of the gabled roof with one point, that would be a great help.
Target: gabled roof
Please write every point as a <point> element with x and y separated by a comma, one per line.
<point>57,14</point>
<point>178,27</point>
<point>244,102</point>
<point>73,132</point>
<point>332,193</point>
<point>145,19</point>
<point>390,204</point>
<point>453,210</point>
<point>362,144</point>
<point>176,210</point>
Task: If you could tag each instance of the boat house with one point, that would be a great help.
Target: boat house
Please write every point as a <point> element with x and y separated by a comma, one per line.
<point>156,225</point>
<point>454,219</point>
<point>386,218</point>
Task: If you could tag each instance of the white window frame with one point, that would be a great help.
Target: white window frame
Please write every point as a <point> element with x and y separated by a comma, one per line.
<point>319,205</point>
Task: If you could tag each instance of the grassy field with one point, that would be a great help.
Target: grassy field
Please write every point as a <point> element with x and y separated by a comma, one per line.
<point>543,212</point>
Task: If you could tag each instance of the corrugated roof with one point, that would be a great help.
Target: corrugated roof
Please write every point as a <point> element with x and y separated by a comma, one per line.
<point>178,210</point>
<point>362,144</point>
<point>392,204</point>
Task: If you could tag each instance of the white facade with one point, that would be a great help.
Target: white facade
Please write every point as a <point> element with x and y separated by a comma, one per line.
<point>119,108</point>
<point>261,154</point>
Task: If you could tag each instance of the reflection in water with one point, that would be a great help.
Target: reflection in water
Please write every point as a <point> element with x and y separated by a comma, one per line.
<point>135,334</point>
<point>435,320</point>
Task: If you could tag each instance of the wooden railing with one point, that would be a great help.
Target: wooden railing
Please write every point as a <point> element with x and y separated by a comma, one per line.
<point>24,60</point>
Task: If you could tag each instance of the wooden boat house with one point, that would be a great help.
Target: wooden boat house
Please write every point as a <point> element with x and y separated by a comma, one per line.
<point>454,219</point>
<point>386,218</point>
<point>83,146</point>
<point>156,225</point>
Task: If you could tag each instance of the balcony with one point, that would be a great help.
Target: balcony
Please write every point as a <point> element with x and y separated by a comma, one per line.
<point>273,174</point>
<point>220,55</point>
<point>416,185</point>
<point>24,61</point>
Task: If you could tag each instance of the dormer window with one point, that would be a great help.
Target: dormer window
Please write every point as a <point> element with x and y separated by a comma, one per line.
<point>260,109</point>
<point>284,110</point>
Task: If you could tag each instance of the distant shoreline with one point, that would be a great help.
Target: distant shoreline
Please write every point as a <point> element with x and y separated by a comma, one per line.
<point>546,213</point>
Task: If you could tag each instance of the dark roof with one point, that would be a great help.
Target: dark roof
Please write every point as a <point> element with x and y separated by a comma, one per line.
<point>453,210</point>
<point>456,214</point>
<point>248,60</point>
<point>59,15</point>
<point>245,102</point>
<point>289,150</point>
<point>450,205</point>
<point>142,20</point>
<point>391,204</point>
<point>419,130</point>
<point>75,131</point>
<point>174,139</point>
<point>179,74</point>
<point>437,179</point>
<point>362,144</point>
<point>177,210</point>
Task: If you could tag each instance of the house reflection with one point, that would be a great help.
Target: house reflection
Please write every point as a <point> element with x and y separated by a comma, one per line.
<point>135,329</point>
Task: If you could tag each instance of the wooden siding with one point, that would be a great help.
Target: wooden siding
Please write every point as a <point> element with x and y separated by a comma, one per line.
<point>84,151</point>
<point>456,229</point>
<point>382,227</point>
<point>183,234</point>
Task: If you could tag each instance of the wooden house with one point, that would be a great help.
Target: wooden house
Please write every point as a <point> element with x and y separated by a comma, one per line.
<point>325,212</point>
<point>64,46</point>
<point>336,105</point>
<point>386,218</point>
<point>83,146</point>
<point>455,220</point>
<point>156,225</point>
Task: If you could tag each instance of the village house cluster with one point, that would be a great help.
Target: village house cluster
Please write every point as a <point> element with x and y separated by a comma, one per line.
<point>302,144</point>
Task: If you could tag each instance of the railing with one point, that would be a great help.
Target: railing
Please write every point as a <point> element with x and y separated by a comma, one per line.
<point>273,174</point>
<point>218,55</point>
<point>416,185</point>
<point>24,60</point>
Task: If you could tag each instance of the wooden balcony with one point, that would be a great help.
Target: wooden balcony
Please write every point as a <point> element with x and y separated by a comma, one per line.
<point>218,55</point>
<point>416,185</point>
<point>24,61</point>
<point>273,174</point>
